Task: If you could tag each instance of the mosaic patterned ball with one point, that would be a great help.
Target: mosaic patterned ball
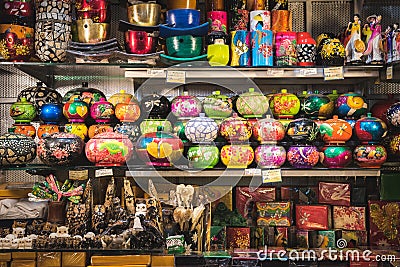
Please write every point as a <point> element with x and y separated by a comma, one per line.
<point>201,129</point>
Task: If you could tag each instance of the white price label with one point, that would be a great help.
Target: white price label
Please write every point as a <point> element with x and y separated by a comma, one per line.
<point>103,172</point>
<point>308,72</point>
<point>334,73</point>
<point>78,175</point>
<point>272,176</point>
<point>389,73</point>
<point>253,171</point>
<point>176,76</point>
<point>155,72</point>
<point>275,72</point>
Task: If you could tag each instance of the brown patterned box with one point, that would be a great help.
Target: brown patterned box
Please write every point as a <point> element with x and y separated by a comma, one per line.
<point>355,238</point>
<point>313,217</point>
<point>274,213</point>
<point>245,200</point>
<point>334,193</point>
<point>349,218</point>
<point>238,237</point>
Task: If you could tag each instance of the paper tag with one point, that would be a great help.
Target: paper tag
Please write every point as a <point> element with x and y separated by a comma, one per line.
<point>308,72</point>
<point>252,171</point>
<point>78,175</point>
<point>272,176</point>
<point>389,73</point>
<point>176,76</point>
<point>155,72</point>
<point>275,72</point>
<point>333,73</point>
<point>103,172</point>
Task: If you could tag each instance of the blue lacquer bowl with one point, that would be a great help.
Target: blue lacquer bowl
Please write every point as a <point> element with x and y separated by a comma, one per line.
<point>198,31</point>
<point>183,18</point>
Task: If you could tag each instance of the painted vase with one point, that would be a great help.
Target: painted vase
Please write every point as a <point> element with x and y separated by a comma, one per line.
<point>159,148</point>
<point>155,106</point>
<point>303,131</point>
<point>132,130</point>
<point>109,149</point>
<point>40,95</point>
<point>334,157</point>
<point>237,156</point>
<point>284,105</point>
<point>23,111</point>
<point>331,52</point>
<point>260,20</point>
<point>268,130</point>
<point>121,97</point>
<point>76,110</point>
<point>370,129</point>
<point>262,53</point>
<point>16,42</point>
<point>128,111</point>
<point>86,94</point>
<point>369,155</point>
<point>393,114</point>
<point>351,105</point>
<point>318,106</point>
<point>238,19</point>
<point>380,108</point>
<point>252,104</point>
<point>203,156</point>
<point>79,129</point>
<point>335,131</point>
<point>179,129</point>
<point>102,111</point>
<point>47,129</point>
<point>218,21</point>
<point>60,149</point>
<point>270,156</point>
<point>235,129</point>
<point>151,125</point>
<point>285,48</point>
<point>201,129</point>
<point>303,157</point>
<point>186,106</point>
<point>16,149</point>
<point>240,48</point>
<point>306,49</point>
<point>217,106</point>
<point>25,129</point>
<point>51,113</point>
<point>96,129</point>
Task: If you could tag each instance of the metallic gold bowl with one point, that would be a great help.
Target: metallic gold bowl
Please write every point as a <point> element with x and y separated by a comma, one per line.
<point>90,32</point>
<point>177,4</point>
<point>144,14</point>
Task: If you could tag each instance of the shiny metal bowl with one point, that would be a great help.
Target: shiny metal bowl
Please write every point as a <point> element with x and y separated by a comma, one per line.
<point>144,14</point>
<point>90,32</point>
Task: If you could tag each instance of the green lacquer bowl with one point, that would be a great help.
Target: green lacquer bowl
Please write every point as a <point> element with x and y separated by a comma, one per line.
<point>185,46</point>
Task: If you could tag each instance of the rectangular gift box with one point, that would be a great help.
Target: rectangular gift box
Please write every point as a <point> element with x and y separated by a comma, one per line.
<point>384,223</point>
<point>24,263</point>
<point>349,218</point>
<point>217,238</point>
<point>274,213</point>
<point>313,217</point>
<point>245,199</point>
<point>355,238</point>
<point>334,193</point>
<point>238,237</point>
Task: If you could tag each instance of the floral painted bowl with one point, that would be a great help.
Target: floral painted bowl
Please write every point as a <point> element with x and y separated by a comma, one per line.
<point>203,156</point>
<point>237,156</point>
<point>235,129</point>
<point>186,106</point>
<point>303,157</point>
<point>270,156</point>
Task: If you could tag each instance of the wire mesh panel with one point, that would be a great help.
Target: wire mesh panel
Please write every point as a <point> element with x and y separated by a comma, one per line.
<point>298,16</point>
<point>330,16</point>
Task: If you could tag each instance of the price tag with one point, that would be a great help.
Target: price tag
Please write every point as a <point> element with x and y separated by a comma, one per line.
<point>308,72</point>
<point>272,176</point>
<point>389,73</point>
<point>334,73</point>
<point>78,175</point>
<point>252,172</point>
<point>103,172</point>
<point>155,72</point>
<point>275,72</point>
<point>176,76</point>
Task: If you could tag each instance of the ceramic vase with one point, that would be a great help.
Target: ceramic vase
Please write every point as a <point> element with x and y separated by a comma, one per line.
<point>369,155</point>
<point>270,156</point>
<point>85,93</point>
<point>128,111</point>
<point>120,97</point>
<point>303,131</point>
<point>379,109</point>
<point>237,156</point>
<point>155,106</point>
<point>268,130</point>
<point>16,149</point>
<point>203,156</point>
<point>318,106</point>
<point>22,111</point>
<point>370,129</point>
<point>335,130</point>
<point>336,156</point>
<point>102,111</point>
<point>235,129</point>
<point>284,105</point>
<point>186,106</point>
<point>201,129</point>
<point>303,157</point>
<point>252,104</point>
<point>60,149</point>
<point>217,106</point>
<point>351,105</point>
<point>179,129</point>
<point>76,110</point>
<point>51,113</point>
<point>109,149</point>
